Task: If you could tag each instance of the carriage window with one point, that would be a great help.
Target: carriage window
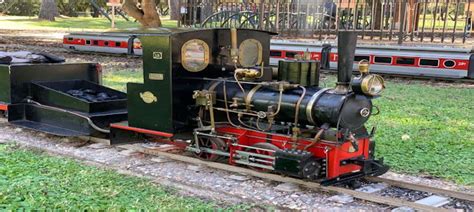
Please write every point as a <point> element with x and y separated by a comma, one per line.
<point>117,43</point>
<point>70,39</point>
<point>359,58</point>
<point>88,42</point>
<point>405,61</point>
<point>95,43</point>
<point>429,62</point>
<point>275,53</point>
<point>449,63</point>
<point>291,54</point>
<point>106,43</point>
<point>387,60</point>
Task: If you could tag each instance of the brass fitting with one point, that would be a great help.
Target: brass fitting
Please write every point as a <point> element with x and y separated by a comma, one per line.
<point>247,73</point>
<point>234,51</point>
<point>235,102</point>
<point>295,131</point>
<point>364,67</point>
<point>204,97</point>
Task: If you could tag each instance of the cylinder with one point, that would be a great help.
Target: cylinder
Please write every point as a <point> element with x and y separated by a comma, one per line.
<point>346,45</point>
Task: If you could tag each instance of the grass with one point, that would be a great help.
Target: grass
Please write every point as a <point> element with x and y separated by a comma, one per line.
<point>31,180</point>
<point>76,23</point>
<point>118,79</point>
<point>426,129</point>
<point>439,23</point>
<point>422,129</point>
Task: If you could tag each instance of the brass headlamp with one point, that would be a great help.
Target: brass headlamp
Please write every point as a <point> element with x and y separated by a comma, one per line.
<point>367,84</point>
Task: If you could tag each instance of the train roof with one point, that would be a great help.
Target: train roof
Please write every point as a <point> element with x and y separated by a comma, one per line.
<point>152,31</point>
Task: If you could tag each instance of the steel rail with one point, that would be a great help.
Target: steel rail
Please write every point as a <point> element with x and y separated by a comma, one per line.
<point>425,188</point>
<point>279,178</point>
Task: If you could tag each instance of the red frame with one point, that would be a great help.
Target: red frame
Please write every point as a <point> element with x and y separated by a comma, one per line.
<point>140,130</point>
<point>332,152</point>
<point>3,107</point>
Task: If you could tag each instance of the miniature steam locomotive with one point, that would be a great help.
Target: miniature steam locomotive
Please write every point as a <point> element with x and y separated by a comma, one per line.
<point>211,89</point>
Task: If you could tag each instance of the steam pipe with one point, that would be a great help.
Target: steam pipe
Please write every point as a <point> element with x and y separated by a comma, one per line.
<point>346,45</point>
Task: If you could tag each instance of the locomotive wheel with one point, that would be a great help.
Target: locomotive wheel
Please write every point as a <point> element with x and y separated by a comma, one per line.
<point>268,146</point>
<point>211,143</point>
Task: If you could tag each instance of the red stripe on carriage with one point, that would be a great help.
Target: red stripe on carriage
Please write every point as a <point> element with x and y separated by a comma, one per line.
<point>144,131</point>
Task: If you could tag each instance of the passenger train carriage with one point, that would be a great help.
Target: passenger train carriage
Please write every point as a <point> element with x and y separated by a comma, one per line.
<point>430,61</point>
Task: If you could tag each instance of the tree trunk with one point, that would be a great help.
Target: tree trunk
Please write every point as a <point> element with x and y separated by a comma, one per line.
<point>48,10</point>
<point>146,14</point>
<point>173,6</point>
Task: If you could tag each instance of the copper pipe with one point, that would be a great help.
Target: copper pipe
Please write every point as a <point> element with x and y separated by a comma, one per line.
<point>316,139</point>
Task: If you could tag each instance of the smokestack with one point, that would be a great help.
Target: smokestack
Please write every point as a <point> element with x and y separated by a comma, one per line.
<point>346,45</point>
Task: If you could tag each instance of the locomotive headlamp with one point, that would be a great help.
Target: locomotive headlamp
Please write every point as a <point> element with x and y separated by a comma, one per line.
<point>372,85</point>
<point>368,84</point>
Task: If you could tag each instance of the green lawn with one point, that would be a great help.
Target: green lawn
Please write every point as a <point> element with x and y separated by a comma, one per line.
<point>118,79</point>
<point>31,180</point>
<point>436,123</point>
<point>77,23</point>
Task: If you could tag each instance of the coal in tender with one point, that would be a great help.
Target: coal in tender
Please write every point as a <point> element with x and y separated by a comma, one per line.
<point>91,95</point>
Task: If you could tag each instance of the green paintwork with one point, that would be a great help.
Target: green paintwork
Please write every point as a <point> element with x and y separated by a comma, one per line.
<point>304,73</point>
<point>156,62</point>
<point>169,81</point>
<point>5,84</point>
<point>14,79</point>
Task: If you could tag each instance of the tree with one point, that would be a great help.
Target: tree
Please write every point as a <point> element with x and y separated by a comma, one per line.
<point>145,12</point>
<point>48,10</point>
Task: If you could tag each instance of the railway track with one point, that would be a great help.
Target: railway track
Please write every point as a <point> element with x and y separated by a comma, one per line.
<point>358,194</point>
